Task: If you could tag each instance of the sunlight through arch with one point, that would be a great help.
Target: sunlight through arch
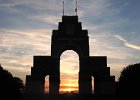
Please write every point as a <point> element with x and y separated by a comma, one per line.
<point>46,87</point>
<point>69,69</point>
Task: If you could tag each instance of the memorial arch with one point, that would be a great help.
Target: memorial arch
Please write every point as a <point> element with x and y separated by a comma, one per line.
<point>70,36</point>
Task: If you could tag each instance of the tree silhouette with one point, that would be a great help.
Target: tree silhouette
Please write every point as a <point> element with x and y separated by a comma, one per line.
<point>10,87</point>
<point>129,82</point>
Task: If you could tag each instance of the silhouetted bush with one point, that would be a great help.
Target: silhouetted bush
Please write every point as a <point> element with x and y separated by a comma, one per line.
<point>10,87</point>
<point>128,85</point>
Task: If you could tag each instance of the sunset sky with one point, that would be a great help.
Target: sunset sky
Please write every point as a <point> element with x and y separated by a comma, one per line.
<point>26,28</point>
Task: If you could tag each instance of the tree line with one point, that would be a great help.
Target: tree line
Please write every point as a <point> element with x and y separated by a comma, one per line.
<point>10,87</point>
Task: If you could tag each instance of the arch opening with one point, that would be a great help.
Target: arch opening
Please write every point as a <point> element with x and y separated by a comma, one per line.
<point>46,85</point>
<point>69,72</point>
<point>92,85</point>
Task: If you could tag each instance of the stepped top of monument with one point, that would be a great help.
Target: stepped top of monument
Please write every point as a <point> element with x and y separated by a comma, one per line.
<point>70,19</point>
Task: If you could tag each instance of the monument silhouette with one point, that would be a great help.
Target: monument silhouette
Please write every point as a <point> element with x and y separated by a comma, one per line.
<point>70,36</point>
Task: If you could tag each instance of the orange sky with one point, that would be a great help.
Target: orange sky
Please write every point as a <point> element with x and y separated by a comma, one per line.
<point>67,86</point>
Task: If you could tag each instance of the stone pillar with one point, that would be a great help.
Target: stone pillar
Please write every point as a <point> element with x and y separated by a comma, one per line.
<point>85,83</point>
<point>85,79</point>
<point>54,82</point>
<point>54,79</point>
<point>107,86</point>
<point>34,85</point>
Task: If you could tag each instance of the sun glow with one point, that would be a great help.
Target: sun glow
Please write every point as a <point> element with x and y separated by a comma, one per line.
<point>70,87</point>
<point>70,90</point>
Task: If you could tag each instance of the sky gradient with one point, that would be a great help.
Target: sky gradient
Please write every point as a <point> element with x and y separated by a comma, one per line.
<point>26,28</point>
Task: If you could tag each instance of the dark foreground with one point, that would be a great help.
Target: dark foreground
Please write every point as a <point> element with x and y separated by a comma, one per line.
<point>68,97</point>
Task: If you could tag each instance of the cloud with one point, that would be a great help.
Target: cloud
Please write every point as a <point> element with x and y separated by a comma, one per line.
<point>132,46</point>
<point>31,5</point>
<point>17,49</point>
<point>120,38</point>
<point>114,47</point>
<point>47,19</point>
<point>126,43</point>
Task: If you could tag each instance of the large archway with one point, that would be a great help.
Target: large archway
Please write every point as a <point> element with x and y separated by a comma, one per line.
<point>69,72</point>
